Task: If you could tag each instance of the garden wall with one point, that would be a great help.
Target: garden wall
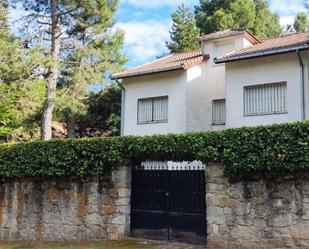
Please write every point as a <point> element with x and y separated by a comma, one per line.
<point>66,208</point>
<point>268,213</point>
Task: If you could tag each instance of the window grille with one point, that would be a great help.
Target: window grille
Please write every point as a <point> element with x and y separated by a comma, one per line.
<point>218,112</point>
<point>265,99</point>
<point>152,110</point>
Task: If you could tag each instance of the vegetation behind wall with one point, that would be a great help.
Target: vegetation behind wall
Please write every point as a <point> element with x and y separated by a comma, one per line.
<point>245,152</point>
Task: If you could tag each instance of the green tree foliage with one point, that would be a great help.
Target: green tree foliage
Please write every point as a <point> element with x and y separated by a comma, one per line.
<point>84,46</point>
<point>184,33</point>
<point>103,110</point>
<point>219,21</point>
<point>301,22</point>
<point>21,88</point>
<point>267,24</point>
<point>95,55</point>
<point>255,15</point>
<point>243,13</point>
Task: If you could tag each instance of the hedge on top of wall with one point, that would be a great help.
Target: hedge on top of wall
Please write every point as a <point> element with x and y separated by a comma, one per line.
<point>245,152</point>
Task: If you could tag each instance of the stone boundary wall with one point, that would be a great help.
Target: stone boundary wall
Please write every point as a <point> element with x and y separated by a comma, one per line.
<point>269,213</point>
<point>66,209</point>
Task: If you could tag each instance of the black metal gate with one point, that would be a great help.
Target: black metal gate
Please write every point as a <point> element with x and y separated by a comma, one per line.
<point>169,204</point>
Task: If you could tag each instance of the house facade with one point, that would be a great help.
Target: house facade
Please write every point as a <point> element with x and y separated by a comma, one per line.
<point>234,80</point>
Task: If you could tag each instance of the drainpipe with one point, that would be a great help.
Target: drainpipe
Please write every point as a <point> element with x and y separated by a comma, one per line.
<point>123,98</point>
<point>302,86</point>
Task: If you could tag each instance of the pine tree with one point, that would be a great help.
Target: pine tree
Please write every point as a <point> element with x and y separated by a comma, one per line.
<point>4,26</point>
<point>77,31</point>
<point>255,15</point>
<point>243,13</point>
<point>20,82</point>
<point>184,34</point>
<point>95,53</point>
<point>267,24</point>
<point>301,23</point>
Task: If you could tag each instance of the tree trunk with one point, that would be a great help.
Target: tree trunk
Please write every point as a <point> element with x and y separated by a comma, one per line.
<point>47,116</point>
<point>71,123</point>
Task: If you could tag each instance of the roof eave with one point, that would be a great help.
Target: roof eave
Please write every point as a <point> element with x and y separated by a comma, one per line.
<point>262,54</point>
<point>184,66</point>
<point>131,75</point>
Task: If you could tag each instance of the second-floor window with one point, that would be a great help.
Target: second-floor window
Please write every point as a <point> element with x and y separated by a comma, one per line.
<point>265,99</point>
<point>152,110</point>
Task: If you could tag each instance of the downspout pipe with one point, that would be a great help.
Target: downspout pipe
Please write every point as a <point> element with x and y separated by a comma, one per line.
<point>123,98</point>
<point>302,86</point>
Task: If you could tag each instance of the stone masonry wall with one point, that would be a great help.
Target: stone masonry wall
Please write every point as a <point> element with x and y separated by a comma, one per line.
<point>272,213</point>
<point>66,209</point>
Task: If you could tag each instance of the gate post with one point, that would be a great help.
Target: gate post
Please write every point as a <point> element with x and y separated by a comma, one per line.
<point>118,223</point>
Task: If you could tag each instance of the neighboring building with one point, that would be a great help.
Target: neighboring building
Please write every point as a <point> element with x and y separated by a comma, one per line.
<point>235,80</point>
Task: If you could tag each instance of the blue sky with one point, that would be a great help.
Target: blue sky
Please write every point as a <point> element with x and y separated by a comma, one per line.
<point>147,24</point>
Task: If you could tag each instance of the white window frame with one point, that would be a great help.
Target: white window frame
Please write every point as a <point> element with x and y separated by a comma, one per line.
<point>152,111</point>
<point>213,112</point>
<point>283,111</point>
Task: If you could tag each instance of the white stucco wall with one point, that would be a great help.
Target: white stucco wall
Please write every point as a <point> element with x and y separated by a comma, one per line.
<point>279,68</point>
<point>200,92</point>
<point>171,84</point>
<point>206,82</point>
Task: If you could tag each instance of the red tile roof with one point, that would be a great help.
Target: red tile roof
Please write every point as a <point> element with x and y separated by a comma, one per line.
<point>283,44</point>
<point>229,33</point>
<point>172,62</point>
<point>186,60</point>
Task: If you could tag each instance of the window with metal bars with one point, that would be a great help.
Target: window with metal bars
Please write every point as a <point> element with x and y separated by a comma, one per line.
<point>218,112</point>
<point>265,99</point>
<point>152,110</point>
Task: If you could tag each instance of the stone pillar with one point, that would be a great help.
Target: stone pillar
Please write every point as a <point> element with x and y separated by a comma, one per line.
<point>216,203</point>
<point>118,222</point>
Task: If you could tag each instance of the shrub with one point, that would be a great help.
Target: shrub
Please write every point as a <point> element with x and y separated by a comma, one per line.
<point>245,152</point>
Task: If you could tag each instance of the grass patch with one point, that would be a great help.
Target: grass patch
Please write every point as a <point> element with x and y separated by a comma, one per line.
<point>76,245</point>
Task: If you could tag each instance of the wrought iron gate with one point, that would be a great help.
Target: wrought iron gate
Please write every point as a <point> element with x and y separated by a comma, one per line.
<point>168,203</point>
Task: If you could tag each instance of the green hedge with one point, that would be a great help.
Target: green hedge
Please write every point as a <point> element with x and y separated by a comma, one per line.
<point>245,152</point>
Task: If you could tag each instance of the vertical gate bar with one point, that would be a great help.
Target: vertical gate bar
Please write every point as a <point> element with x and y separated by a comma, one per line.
<point>167,194</point>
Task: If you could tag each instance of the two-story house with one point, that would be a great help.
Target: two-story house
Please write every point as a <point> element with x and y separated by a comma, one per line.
<point>234,80</point>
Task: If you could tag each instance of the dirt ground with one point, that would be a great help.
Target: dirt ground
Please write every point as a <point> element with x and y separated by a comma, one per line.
<point>130,244</point>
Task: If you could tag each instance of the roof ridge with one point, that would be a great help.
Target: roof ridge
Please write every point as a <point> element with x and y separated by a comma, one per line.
<point>147,63</point>
<point>186,52</point>
<point>284,35</point>
<point>229,33</point>
<point>162,58</point>
<point>174,61</point>
<point>277,45</point>
<point>226,30</point>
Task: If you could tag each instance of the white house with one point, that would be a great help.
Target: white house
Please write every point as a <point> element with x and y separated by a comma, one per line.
<point>234,80</point>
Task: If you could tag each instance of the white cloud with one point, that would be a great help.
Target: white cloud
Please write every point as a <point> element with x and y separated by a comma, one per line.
<point>157,3</point>
<point>288,7</point>
<point>146,39</point>
<point>285,20</point>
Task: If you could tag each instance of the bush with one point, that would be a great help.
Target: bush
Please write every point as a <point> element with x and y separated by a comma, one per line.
<point>245,152</point>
